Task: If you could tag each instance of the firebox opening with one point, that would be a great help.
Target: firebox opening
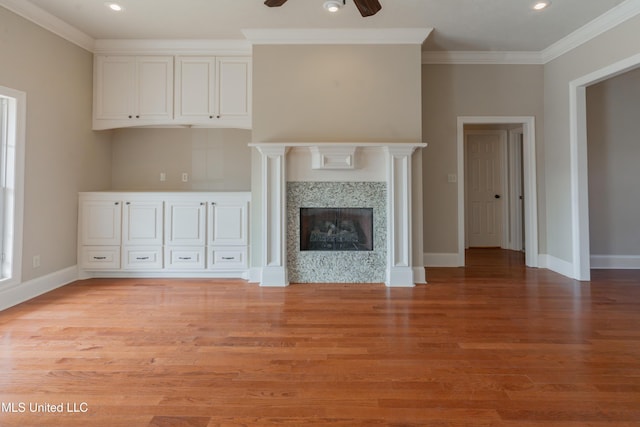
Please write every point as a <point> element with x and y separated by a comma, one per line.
<point>336,229</point>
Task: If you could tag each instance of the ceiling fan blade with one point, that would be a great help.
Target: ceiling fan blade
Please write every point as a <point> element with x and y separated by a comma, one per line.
<point>274,3</point>
<point>368,7</point>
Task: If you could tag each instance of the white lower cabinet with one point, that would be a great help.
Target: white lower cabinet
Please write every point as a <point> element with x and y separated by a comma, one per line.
<point>100,257</point>
<point>223,258</point>
<point>184,257</point>
<point>186,234</point>
<point>141,257</point>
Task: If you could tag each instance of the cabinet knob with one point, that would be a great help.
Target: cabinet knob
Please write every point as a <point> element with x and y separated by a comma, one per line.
<point>213,203</point>
<point>137,117</point>
<point>211,117</point>
<point>128,203</point>
<point>131,117</point>
<point>218,116</point>
<point>116,203</point>
<point>202,203</point>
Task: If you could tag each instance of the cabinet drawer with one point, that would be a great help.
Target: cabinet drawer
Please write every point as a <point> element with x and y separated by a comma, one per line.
<point>228,258</point>
<point>181,257</point>
<point>100,257</point>
<point>142,257</point>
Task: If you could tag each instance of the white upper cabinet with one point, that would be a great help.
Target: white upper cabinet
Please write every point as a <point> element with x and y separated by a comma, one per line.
<point>132,91</point>
<point>213,91</point>
<point>234,84</point>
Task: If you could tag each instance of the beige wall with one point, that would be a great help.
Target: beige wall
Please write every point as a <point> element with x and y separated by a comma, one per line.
<point>336,93</point>
<point>613,110</point>
<point>450,91</point>
<point>63,155</point>
<point>214,159</point>
<point>614,45</point>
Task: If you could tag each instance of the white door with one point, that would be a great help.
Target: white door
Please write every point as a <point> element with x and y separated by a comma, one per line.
<point>484,187</point>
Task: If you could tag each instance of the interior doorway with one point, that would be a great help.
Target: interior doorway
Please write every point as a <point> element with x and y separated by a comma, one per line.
<point>579,165</point>
<point>509,193</point>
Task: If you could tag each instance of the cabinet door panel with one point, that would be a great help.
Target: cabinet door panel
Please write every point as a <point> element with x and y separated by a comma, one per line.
<point>228,223</point>
<point>234,83</point>
<point>155,87</point>
<point>185,223</point>
<point>142,223</point>
<point>101,222</point>
<point>195,88</point>
<point>115,87</point>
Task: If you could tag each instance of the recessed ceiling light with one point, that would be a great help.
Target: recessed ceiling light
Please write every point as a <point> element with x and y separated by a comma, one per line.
<point>541,5</point>
<point>332,5</point>
<point>114,6</point>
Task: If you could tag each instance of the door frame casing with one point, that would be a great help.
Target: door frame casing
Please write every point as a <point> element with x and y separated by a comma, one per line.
<point>529,178</point>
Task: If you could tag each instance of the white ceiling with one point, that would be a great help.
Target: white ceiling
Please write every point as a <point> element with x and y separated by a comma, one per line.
<point>459,25</point>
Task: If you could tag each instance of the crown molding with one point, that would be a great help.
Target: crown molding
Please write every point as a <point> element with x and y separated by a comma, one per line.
<point>172,47</point>
<point>337,36</point>
<point>462,57</point>
<point>591,30</point>
<point>49,22</point>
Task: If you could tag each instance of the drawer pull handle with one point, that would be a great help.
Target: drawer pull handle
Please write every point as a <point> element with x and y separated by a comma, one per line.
<point>186,258</point>
<point>228,257</point>
<point>142,258</point>
<point>99,257</point>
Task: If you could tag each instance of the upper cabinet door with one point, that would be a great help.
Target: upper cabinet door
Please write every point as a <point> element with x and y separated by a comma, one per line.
<point>196,88</point>
<point>142,223</point>
<point>234,87</point>
<point>115,86</point>
<point>155,87</point>
<point>133,91</point>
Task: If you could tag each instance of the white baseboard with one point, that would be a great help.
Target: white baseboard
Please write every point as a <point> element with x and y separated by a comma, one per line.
<point>38,286</point>
<point>623,262</point>
<point>441,260</point>
<point>556,265</point>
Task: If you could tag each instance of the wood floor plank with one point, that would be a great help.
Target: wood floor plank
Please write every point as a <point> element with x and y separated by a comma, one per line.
<point>495,344</point>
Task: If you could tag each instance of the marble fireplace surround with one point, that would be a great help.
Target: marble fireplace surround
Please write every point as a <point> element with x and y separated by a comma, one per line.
<point>337,162</point>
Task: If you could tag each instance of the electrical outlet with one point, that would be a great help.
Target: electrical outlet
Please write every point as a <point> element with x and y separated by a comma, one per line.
<point>452,177</point>
<point>185,177</point>
<point>163,176</point>
<point>36,261</point>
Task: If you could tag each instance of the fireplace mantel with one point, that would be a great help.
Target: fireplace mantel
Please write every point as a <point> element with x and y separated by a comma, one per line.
<point>338,157</point>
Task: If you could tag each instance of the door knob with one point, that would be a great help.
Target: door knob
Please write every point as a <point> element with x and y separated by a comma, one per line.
<point>497,196</point>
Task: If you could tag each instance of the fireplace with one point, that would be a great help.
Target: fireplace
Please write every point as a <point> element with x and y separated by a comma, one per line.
<point>336,229</point>
<point>361,175</point>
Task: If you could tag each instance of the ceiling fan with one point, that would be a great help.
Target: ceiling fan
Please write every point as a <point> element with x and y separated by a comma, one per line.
<point>366,7</point>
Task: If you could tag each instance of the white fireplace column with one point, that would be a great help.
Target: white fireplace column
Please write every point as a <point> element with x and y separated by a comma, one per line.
<point>274,197</point>
<point>399,253</point>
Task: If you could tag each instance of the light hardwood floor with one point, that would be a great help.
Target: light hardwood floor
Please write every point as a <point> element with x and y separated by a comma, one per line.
<point>494,344</point>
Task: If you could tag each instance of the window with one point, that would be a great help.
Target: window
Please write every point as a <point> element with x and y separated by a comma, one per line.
<point>12,137</point>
